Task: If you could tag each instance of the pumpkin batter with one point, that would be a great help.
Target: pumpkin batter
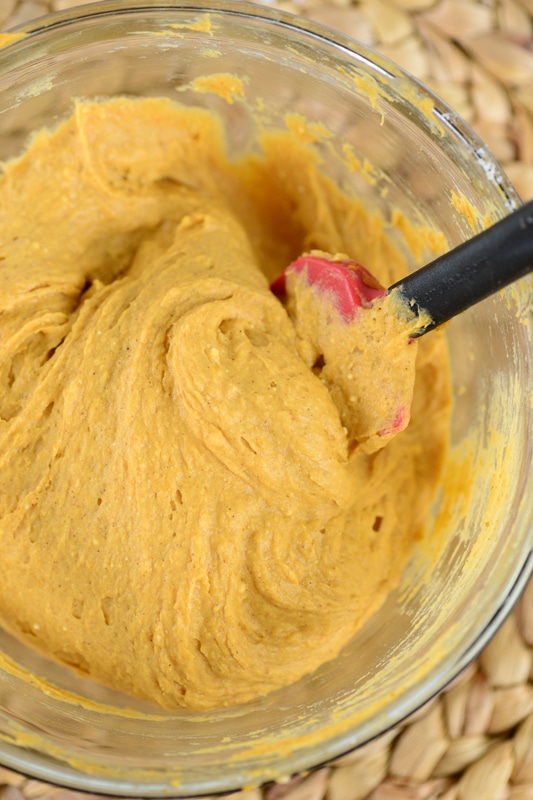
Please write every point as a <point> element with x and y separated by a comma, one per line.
<point>183,515</point>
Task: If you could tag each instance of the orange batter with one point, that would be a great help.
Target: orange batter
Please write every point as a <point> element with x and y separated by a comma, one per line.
<point>183,512</point>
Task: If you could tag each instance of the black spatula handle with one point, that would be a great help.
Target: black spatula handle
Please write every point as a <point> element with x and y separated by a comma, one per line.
<point>476,269</point>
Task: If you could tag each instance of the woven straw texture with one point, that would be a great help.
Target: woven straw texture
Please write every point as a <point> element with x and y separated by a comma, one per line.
<point>475,741</point>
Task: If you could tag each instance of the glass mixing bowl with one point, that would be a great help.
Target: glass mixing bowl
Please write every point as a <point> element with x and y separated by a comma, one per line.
<point>414,155</point>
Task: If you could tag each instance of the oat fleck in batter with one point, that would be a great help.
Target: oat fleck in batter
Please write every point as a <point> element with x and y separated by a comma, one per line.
<point>181,515</point>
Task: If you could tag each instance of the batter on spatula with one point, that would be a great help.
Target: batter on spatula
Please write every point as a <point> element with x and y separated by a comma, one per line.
<point>356,339</point>
<point>188,509</point>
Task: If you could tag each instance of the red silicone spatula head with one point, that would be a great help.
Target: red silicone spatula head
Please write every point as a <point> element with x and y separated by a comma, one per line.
<point>349,285</point>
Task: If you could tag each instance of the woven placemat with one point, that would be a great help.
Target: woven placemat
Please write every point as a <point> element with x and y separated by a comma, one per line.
<point>475,741</point>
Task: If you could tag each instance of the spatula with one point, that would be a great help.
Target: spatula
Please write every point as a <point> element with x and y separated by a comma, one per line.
<point>439,291</point>
<point>421,302</point>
